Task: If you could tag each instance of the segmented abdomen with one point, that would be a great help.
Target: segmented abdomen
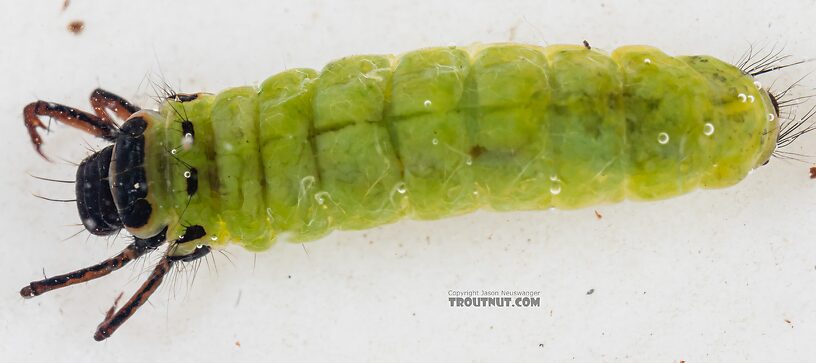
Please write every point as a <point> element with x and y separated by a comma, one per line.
<point>444,131</point>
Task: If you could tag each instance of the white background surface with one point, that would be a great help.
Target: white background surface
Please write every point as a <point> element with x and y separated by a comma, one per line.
<point>711,276</point>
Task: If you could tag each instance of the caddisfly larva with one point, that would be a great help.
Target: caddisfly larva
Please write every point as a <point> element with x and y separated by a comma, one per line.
<point>429,134</point>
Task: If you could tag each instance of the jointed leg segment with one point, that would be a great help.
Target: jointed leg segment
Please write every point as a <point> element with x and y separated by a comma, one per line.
<point>133,251</point>
<point>114,320</point>
<point>100,124</point>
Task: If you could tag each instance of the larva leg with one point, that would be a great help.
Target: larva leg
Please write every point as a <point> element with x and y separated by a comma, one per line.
<point>102,101</point>
<point>133,251</point>
<point>114,320</point>
<point>100,124</point>
<point>199,252</point>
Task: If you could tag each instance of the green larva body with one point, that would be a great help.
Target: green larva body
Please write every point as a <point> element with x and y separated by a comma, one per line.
<point>445,131</point>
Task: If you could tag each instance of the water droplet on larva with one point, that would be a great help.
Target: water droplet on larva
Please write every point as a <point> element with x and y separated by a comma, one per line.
<point>435,141</point>
<point>742,97</point>
<point>402,188</point>
<point>555,189</point>
<point>554,177</point>
<point>708,129</point>
<point>771,117</point>
<point>427,103</point>
<point>199,246</point>
<point>758,85</point>
<point>136,186</point>
<point>663,138</point>
<point>751,98</point>
<point>187,174</point>
<point>647,61</point>
<point>469,161</point>
<point>173,151</point>
<point>213,238</point>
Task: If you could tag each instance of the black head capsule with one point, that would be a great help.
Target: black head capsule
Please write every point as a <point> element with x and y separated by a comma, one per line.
<point>94,199</point>
<point>129,185</point>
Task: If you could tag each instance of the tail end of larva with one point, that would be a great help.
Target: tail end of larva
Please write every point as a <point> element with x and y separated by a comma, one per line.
<point>788,127</point>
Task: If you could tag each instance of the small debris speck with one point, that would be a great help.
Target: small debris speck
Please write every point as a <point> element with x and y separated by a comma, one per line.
<point>65,4</point>
<point>590,291</point>
<point>813,172</point>
<point>238,343</point>
<point>598,214</point>
<point>76,27</point>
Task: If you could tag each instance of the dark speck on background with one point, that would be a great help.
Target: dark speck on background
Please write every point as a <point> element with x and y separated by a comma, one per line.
<point>590,291</point>
<point>76,26</point>
<point>65,4</point>
<point>813,172</point>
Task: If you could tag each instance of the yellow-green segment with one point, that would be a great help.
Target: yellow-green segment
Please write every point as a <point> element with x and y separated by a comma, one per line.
<point>445,131</point>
